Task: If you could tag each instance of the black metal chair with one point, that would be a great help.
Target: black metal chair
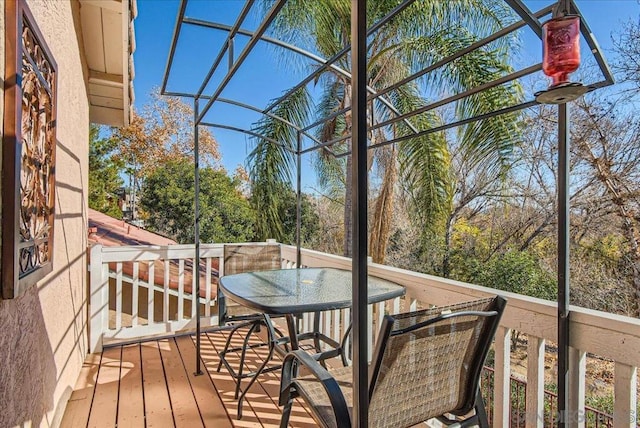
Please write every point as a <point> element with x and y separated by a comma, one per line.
<point>426,365</point>
<point>240,259</point>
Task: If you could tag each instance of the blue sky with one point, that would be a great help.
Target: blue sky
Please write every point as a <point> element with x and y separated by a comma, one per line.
<point>265,73</point>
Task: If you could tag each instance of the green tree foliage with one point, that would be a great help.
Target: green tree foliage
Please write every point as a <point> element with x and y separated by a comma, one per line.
<point>104,174</point>
<point>517,272</point>
<point>287,206</point>
<point>168,198</point>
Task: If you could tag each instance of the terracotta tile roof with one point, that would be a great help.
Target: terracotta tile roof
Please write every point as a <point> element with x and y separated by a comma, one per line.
<point>111,232</point>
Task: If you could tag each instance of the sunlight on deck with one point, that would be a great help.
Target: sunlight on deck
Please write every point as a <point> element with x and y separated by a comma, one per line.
<point>153,384</point>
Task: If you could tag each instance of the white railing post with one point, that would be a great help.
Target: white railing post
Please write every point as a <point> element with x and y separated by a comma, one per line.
<point>535,383</point>
<point>502,378</point>
<point>99,300</point>
<point>625,396</point>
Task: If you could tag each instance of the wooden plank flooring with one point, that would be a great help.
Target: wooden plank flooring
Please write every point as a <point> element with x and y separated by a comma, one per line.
<point>152,384</point>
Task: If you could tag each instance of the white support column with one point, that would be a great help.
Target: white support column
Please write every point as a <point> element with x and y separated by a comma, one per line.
<point>577,376</point>
<point>502,378</point>
<point>99,292</point>
<point>625,398</point>
<point>535,383</point>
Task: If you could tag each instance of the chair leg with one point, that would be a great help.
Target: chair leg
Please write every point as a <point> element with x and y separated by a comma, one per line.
<point>227,344</point>
<point>343,346</point>
<point>316,330</point>
<point>243,355</point>
<point>253,378</point>
<point>481,413</point>
<point>286,412</point>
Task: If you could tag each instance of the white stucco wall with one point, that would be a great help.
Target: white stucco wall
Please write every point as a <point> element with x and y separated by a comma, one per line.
<point>43,333</point>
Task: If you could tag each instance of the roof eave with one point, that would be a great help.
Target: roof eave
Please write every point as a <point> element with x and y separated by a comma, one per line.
<point>109,42</point>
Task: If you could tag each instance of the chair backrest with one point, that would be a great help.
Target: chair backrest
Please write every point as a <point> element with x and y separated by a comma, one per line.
<point>240,259</point>
<point>247,258</point>
<point>428,363</point>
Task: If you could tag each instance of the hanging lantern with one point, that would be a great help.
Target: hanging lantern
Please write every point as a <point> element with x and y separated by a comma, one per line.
<point>561,56</point>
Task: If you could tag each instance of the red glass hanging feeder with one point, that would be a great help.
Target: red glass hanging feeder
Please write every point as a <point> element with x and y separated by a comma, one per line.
<point>561,56</point>
<point>561,48</point>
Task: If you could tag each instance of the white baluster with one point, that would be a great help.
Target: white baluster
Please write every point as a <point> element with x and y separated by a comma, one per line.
<point>502,378</point>
<point>625,398</point>
<point>395,307</point>
<point>535,383</point>
<point>195,270</point>
<point>165,295</point>
<point>326,317</point>
<point>118,296</point>
<point>207,299</point>
<point>151,293</point>
<point>336,326</point>
<point>577,375</point>
<point>135,284</point>
<point>369,332</point>
<point>180,289</point>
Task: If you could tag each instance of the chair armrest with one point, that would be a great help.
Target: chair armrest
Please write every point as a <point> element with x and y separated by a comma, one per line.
<point>297,358</point>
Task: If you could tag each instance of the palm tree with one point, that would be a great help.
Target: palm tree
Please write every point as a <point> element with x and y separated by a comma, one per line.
<point>424,33</point>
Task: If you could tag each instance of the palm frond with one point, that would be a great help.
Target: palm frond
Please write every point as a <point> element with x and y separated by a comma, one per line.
<point>424,162</point>
<point>270,165</point>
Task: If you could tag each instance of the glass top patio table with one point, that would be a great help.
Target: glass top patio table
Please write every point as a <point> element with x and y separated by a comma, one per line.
<point>291,292</point>
<point>295,291</point>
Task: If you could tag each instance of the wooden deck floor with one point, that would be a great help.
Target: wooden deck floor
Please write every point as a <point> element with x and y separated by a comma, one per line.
<point>151,384</point>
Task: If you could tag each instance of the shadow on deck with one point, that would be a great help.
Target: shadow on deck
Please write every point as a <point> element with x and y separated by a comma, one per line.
<point>153,384</point>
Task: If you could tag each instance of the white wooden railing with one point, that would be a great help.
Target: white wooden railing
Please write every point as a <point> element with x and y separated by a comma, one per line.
<point>116,283</point>
<point>592,332</point>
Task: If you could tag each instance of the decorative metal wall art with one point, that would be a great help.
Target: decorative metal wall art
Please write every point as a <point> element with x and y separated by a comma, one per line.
<point>29,147</point>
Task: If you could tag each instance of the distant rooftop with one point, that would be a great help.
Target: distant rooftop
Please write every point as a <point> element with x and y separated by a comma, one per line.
<point>112,232</point>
